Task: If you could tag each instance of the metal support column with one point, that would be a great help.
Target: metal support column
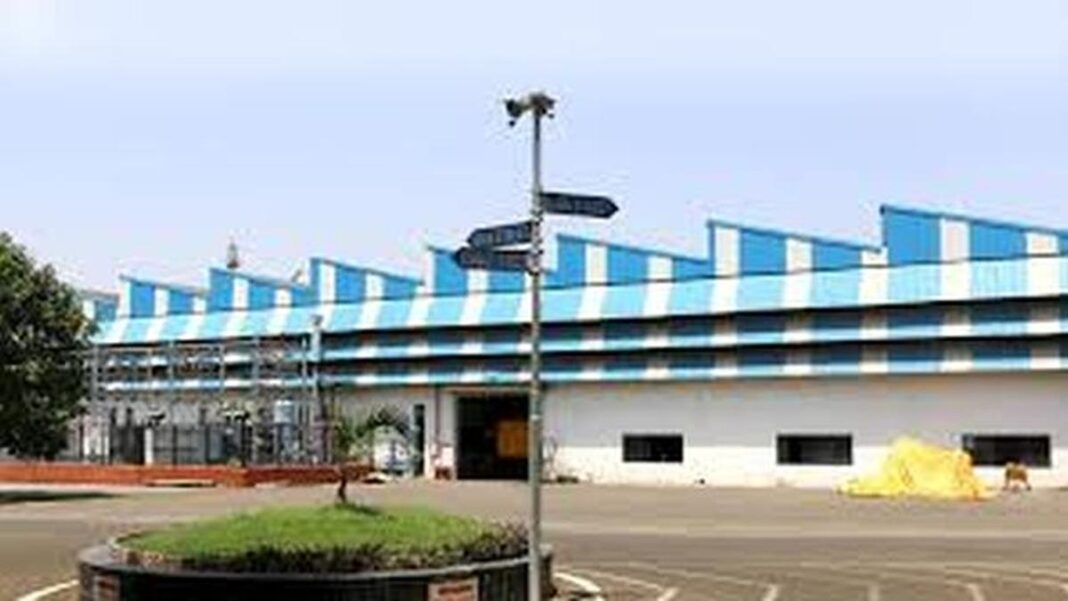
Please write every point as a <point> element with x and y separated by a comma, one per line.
<point>304,419</point>
<point>172,393</point>
<point>249,428</point>
<point>94,397</point>
<point>325,456</point>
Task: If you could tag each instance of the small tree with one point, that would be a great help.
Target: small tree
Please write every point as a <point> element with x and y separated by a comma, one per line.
<point>43,335</point>
<point>354,439</point>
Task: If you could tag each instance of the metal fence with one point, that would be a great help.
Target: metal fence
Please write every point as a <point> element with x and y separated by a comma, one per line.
<point>236,442</point>
<point>244,402</point>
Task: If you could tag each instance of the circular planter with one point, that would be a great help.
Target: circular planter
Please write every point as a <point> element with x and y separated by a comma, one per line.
<point>104,577</point>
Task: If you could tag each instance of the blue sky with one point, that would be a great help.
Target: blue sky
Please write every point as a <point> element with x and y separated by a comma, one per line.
<point>138,137</point>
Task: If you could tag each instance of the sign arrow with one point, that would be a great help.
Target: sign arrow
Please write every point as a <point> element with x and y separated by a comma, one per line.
<point>583,205</point>
<point>501,235</point>
<point>493,260</point>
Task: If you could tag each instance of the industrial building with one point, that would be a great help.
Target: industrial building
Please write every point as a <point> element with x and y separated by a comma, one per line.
<point>774,359</point>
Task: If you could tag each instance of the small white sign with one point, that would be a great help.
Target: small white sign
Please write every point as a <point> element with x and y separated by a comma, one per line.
<point>454,590</point>
<point>106,588</point>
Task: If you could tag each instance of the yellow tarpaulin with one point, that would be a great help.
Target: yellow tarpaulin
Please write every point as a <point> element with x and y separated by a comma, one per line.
<point>917,469</point>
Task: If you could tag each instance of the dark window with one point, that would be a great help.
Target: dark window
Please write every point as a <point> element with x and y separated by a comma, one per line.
<point>563,332</point>
<point>999,449</point>
<point>652,448</point>
<point>815,449</point>
<point>624,330</point>
<point>761,323</point>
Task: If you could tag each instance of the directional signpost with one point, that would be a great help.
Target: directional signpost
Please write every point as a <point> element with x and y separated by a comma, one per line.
<point>579,205</point>
<point>494,260</point>
<point>483,252</point>
<point>501,235</point>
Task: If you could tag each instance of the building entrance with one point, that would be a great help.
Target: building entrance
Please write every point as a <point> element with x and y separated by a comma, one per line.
<point>492,437</point>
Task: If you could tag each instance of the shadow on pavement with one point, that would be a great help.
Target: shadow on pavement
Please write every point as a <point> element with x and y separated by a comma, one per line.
<point>11,497</point>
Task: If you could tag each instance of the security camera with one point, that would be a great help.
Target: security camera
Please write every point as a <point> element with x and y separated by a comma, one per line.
<point>542,102</point>
<point>515,109</point>
<point>539,102</point>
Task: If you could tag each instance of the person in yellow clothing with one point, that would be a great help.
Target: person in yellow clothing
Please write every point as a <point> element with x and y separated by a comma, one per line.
<point>916,469</point>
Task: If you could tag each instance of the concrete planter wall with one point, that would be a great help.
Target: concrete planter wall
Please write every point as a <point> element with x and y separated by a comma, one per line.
<point>104,578</point>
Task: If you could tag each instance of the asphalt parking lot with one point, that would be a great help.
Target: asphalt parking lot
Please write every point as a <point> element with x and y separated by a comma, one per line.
<point>650,543</point>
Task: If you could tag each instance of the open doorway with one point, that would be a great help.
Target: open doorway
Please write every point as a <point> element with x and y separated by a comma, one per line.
<point>492,437</point>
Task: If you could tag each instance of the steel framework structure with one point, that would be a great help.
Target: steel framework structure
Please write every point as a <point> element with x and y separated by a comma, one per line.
<point>239,401</point>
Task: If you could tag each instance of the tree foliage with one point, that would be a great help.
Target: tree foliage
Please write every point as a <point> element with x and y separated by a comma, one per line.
<point>354,439</point>
<point>43,336</point>
<point>354,435</point>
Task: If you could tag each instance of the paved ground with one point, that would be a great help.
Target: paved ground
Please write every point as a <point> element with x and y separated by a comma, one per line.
<point>655,543</point>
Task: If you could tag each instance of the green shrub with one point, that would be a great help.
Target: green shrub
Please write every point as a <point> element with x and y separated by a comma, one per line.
<point>340,538</point>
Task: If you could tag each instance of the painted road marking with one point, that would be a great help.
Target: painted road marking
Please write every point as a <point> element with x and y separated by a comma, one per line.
<point>872,587</point>
<point>1037,569</point>
<point>965,576</point>
<point>48,591</point>
<point>995,575</point>
<point>771,590</point>
<point>663,593</point>
<point>590,588</point>
<point>974,590</point>
<point>1016,568</point>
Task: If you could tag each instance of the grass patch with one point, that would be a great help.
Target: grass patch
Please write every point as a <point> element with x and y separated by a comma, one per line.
<point>11,497</point>
<point>337,538</point>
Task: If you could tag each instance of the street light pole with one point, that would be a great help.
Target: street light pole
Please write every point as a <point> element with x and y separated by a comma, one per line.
<point>487,250</point>
<point>540,105</point>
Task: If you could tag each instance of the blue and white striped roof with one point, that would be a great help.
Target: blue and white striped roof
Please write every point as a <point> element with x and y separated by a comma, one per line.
<point>868,286</point>
<point>919,236</point>
<point>232,290</point>
<point>740,250</point>
<point>99,307</point>
<point>942,294</point>
<point>910,236</point>
<point>139,297</point>
<point>925,257</point>
<point>337,282</point>
<point>584,262</point>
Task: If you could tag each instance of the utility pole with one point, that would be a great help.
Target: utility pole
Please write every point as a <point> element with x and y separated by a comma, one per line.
<point>488,249</point>
<point>540,106</point>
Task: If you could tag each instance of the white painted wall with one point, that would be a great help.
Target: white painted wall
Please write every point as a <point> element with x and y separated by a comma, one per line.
<point>730,428</point>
